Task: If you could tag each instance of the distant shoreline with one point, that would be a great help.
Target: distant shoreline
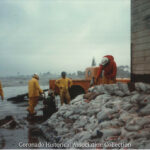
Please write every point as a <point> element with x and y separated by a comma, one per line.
<point>9,82</point>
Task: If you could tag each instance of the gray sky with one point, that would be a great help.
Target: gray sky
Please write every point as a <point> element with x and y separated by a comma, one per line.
<point>56,35</point>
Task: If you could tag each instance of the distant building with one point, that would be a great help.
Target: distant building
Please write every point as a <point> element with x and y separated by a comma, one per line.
<point>140,41</point>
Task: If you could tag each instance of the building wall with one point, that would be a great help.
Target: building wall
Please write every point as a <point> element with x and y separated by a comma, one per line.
<point>140,40</point>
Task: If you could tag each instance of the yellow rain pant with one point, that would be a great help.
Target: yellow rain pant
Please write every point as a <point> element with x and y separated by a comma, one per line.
<point>33,101</point>
<point>64,95</point>
<point>108,81</point>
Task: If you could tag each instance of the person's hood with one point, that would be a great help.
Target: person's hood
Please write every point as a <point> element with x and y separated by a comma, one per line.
<point>110,57</point>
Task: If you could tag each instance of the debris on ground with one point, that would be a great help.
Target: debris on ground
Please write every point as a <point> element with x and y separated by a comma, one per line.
<point>9,123</point>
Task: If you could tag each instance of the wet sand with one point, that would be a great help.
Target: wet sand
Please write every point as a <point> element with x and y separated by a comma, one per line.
<point>25,130</point>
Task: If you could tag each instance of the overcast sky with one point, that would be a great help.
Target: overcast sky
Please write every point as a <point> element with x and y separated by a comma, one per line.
<point>56,35</point>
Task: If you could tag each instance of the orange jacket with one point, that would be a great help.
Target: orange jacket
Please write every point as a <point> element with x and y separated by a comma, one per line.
<point>110,70</point>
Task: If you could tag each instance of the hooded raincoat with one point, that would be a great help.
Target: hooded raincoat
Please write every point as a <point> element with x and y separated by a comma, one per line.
<point>34,92</point>
<point>110,71</point>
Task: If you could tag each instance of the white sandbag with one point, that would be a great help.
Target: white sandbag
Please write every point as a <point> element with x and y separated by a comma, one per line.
<point>111,132</point>
<point>145,110</point>
<point>77,99</point>
<point>67,114</point>
<point>103,98</point>
<point>124,88</point>
<point>119,93</point>
<point>137,123</point>
<point>113,123</point>
<point>91,126</point>
<point>109,88</point>
<point>143,121</point>
<point>142,87</point>
<point>134,109</point>
<point>135,98</point>
<point>74,117</point>
<point>92,111</point>
<point>126,106</point>
<point>110,105</point>
<point>126,116</point>
<point>144,99</point>
<point>81,122</point>
<point>105,114</point>
<point>132,127</point>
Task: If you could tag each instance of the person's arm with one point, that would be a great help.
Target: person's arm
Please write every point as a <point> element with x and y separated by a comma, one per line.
<point>69,83</point>
<point>57,83</point>
<point>56,89</point>
<point>1,91</point>
<point>38,87</point>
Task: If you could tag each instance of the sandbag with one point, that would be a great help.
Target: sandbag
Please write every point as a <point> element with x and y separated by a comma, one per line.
<point>145,110</point>
<point>113,123</point>
<point>111,132</point>
<point>142,87</point>
<point>105,115</point>
<point>126,106</point>
<point>144,99</point>
<point>109,88</point>
<point>124,88</point>
<point>87,95</point>
<point>77,99</point>
<point>135,98</point>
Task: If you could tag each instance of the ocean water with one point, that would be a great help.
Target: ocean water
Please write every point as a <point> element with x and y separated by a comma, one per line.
<point>17,90</point>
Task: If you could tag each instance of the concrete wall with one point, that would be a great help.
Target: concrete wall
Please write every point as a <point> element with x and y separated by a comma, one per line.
<point>140,40</point>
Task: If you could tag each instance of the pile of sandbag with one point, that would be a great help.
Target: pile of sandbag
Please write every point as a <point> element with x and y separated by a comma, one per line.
<point>109,116</point>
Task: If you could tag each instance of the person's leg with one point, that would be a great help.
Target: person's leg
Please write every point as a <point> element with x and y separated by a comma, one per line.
<point>30,108</point>
<point>35,102</point>
<point>32,103</point>
<point>62,98</point>
<point>67,97</point>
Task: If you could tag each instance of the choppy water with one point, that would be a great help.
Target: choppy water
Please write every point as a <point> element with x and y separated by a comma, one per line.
<point>13,91</point>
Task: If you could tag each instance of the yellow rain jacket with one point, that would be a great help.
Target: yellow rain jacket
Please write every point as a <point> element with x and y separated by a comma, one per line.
<point>34,89</point>
<point>63,84</point>
<point>1,91</point>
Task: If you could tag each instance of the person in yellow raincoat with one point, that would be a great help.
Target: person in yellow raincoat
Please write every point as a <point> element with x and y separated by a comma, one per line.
<point>64,84</point>
<point>1,91</point>
<point>34,92</point>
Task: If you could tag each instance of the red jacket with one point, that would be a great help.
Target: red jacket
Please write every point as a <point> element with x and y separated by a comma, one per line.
<point>110,70</point>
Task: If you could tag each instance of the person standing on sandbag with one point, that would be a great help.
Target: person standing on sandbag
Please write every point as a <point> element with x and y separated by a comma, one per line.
<point>1,91</point>
<point>34,92</point>
<point>108,65</point>
<point>64,84</point>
